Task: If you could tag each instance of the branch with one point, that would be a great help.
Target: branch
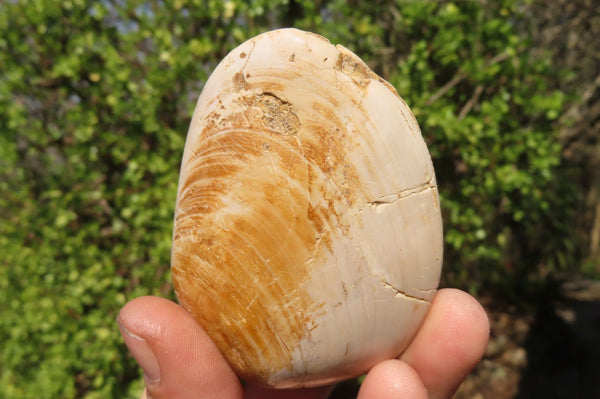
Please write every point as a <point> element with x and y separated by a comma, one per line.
<point>585,96</point>
<point>445,88</point>
<point>472,101</point>
<point>461,75</point>
<point>575,110</point>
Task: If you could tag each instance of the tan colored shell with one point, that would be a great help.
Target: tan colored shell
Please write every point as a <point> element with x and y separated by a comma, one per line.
<point>308,236</point>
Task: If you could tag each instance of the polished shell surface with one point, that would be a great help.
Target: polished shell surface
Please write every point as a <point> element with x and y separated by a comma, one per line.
<point>308,235</point>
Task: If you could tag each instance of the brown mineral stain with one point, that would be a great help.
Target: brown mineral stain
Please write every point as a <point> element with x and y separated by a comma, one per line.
<point>246,234</point>
<point>278,115</point>
<point>361,74</point>
<point>354,67</point>
<point>239,82</point>
<point>241,271</point>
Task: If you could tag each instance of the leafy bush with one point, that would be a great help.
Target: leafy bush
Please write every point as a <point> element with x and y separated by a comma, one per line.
<point>95,99</point>
<point>485,106</point>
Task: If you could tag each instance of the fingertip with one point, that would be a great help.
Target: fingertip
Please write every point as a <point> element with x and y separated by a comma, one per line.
<point>189,364</point>
<point>141,351</point>
<point>393,379</point>
<point>145,315</point>
<point>467,326</point>
<point>450,343</point>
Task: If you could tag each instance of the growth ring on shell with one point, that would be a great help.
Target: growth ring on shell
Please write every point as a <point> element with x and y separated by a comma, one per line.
<point>308,235</point>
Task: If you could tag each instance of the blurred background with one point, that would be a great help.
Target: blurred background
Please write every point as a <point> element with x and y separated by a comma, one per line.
<point>95,102</point>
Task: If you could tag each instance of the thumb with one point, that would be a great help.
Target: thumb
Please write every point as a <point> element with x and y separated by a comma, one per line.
<point>178,359</point>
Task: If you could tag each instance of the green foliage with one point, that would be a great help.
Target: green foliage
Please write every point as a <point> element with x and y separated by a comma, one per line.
<point>484,105</point>
<point>95,100</point>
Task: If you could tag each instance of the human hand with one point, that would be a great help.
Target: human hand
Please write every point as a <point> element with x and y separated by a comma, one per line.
<point>180,361</point>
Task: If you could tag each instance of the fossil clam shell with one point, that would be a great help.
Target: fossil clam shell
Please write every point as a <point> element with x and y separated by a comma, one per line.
<point>308,234</point>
